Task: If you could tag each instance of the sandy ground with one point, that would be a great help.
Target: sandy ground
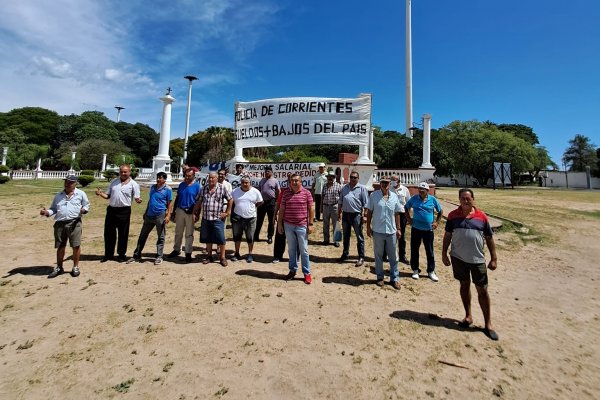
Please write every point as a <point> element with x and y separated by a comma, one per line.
<point>194,331</point>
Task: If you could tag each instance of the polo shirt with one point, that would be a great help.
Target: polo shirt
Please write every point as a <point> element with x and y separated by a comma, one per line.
<point>67,208</point>
<point>468,235</point>
<point>157,204</point>
<point>423,211</point>
<point>121,194</point>
<point>353,200</point>
<point>296,206</point>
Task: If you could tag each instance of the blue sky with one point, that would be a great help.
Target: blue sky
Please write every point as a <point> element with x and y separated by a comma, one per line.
<point>513,61</point>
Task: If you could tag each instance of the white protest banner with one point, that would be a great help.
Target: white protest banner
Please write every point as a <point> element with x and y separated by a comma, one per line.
<point>303,120</point>
<point>256,172</point>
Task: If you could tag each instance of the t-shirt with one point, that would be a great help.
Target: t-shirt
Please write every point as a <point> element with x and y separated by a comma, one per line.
<point>423,211</point>
<point>320,181</point>
<point>468,235</point>
<point>268,188</point>
<point>245,202</point>
<point>187,194</point>
<point>157,204</point>
<point>296,206</point>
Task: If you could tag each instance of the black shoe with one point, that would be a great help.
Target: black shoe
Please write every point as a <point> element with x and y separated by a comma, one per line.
<point>56,272</point>
<point>269,240</point>
<point>343,258</point>
<point>122,259</point>
<point>324,243</point>
<point>359,263</point>
<point>75,272</point>
<point>336,244</point>
<point>188,257</point>
<point>174,253</point>
<point>403,260</point>
<point>105,259</point>
<point>289,276</point>
<point>236,257</point>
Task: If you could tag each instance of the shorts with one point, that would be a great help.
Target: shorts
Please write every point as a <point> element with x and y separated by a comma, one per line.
<point>67,230</point>
<point>463,271</point>
<point>245,226</point>
<point>212,231</point>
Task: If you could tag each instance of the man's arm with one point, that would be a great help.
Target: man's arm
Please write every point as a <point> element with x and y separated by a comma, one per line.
<point>85,203</point>
<point>369,217</point>
<point>445,245</point>
<point>398,229</point>
<point>227,212</point>
<point>311,217</point>
<point>280,218</point>
<point>493,264</point>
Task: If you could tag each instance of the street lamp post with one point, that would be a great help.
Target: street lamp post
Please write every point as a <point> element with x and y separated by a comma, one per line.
<point>190,78</point>
<point>119,108</point>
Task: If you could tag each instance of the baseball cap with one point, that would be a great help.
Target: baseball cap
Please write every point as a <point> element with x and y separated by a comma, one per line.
<point>70,178</point>
<point>331,173</point>
<point>384,179</point>
<point>424,185</point>
<point>321,165</point>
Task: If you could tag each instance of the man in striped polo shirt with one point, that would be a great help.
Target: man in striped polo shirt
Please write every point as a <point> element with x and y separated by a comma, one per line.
<point>295,217</point>
<point>467,228</point>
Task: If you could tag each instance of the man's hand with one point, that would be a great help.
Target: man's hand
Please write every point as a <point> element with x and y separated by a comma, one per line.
<point>223,215</point>
<point>98,191</point>
<point>167,219</point>
<point>138,200</point>
<point>492,265</point>
<point>445,259</point>
<point>369,231</point>
<point>83,211</point>
<point>196,217</point>
<point>434,225</point>
<point>44,212</point>
<point>280,229</point>
<point>310,229</point>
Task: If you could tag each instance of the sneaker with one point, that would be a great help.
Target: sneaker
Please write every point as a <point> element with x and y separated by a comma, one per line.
<point>379,282</point>
<point>133,260</point>
<point>249,259</point>
<point>75,271</point>
<point>433,276</point>
<point>269,240</point>
<point>307,279</point>
<point>236,257</point>
<point>415,274</point>
<point>175,253</point>
<point>56,272</point>
<point>359,263</point>
<point>158,261</point>
<point>188,257</point>
<point>290,276</point>
<point>275,260</point>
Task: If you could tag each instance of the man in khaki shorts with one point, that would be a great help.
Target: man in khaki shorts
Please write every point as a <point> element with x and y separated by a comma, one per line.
<point>467,229</point>
<point>67,207</point>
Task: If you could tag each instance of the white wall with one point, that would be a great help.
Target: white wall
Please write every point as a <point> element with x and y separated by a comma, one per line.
<point>575,180</point>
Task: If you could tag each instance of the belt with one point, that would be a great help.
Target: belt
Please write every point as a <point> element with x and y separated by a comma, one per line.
<point>332,204</point>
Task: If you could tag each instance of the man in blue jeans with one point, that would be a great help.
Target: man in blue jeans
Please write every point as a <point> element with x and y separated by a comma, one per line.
<point>352,211</point>
<point>423,224</point>
<point>157,215</point>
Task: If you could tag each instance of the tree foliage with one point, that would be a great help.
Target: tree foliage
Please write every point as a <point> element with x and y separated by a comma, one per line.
<point>581,153</point>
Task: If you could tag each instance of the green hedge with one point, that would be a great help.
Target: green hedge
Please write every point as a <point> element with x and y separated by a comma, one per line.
<point>110,175</point>
<point>4,179</point>
<point>3,169</point>
<point>85,180</point>
<point>88,172</point>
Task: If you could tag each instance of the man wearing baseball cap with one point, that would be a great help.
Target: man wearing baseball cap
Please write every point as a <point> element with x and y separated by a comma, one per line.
<point>423,224</point>
<point>67,207</point>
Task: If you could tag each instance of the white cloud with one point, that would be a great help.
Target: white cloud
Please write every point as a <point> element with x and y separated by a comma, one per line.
<point>53,67</point>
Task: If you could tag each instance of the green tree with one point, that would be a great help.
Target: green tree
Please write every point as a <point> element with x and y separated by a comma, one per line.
<point>521,131</point>
<point>21,154</point>
<point>141,139</point>
<point>38,125</point>
<point>213,144</point>
<point>581,152</point>
<point>90,152</point>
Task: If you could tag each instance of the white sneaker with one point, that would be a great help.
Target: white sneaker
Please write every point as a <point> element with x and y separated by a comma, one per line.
<point>433,276</point>
<point>158,261</point>
<point>415,275</point>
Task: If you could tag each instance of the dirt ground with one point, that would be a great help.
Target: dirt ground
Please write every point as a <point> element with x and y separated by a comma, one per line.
<point>194,331</point>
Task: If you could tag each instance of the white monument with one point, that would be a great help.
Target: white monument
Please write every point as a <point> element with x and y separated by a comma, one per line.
<point>426,169</point>
<point>4,154</point>
<point>72,170</point>
<point>162,162</point>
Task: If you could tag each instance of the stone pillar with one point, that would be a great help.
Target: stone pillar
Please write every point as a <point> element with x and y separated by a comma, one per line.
<point>162,161</point>
<point>4,154</point>
<point>38,170</point>
<point>426,141</point>
<point>103,163</point>
<point>72,161</point>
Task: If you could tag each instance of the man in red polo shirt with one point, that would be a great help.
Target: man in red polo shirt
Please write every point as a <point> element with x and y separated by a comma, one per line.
<point>295,217</point>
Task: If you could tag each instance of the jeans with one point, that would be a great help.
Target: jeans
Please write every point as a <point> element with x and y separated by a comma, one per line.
<point>416,236</point>
<point>402,240</point>
<point>330,213</point>
<point>150,223</point>
<point>383,242</point>
<point>297,238</point>
<point>354,220</point>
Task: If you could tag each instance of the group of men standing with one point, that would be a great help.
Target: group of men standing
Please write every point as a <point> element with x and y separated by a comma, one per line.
<point>291,214</point>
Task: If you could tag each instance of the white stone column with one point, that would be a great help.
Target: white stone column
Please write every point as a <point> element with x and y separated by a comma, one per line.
<point>238,156</point>
<point>162,161</point>
<point>426,141</point>
<point>408,58</point>
<point>4,154</point>
<point>72,161</point>
<point>103,162</point>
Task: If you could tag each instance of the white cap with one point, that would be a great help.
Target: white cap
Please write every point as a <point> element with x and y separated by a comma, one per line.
<point>424,185</point>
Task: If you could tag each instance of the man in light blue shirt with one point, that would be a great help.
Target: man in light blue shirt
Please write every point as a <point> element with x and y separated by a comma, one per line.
<point>67,207</point>
<point>423,224</point>
<point>352,208</point>
<point>383,225</point>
